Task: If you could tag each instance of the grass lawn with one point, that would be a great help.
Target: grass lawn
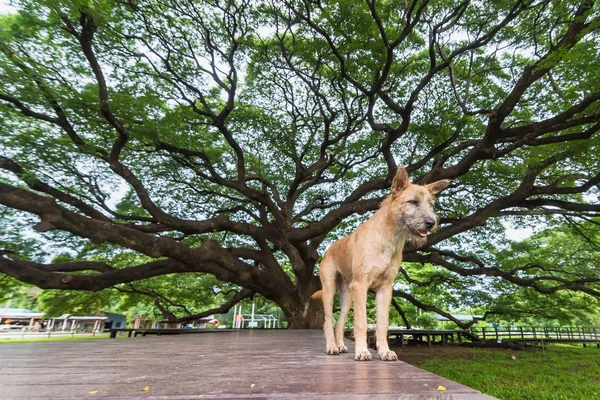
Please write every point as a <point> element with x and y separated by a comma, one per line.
<point>559,372</point>
<point>54,338</point>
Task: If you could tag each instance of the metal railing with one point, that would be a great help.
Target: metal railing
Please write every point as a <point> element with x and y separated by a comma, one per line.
<point>252,320</point>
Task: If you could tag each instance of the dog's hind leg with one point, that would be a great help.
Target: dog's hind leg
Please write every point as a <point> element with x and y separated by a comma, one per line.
<point>345,303</point>
<point>327,274</point>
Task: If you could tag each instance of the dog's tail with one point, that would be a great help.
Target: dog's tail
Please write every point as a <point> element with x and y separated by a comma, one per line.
<point>317,295</point>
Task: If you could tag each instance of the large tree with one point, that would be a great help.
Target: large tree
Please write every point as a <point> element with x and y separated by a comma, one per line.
<point>238,138</point>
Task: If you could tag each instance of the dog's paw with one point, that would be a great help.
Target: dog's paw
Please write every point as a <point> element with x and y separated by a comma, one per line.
<point>332,350</point>
<point>343,349</point>
<point>362,356</point>
<point>388,356</point>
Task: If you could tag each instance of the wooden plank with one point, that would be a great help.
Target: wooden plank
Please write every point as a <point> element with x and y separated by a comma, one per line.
<point>166,331</point>
<point>280,364</point>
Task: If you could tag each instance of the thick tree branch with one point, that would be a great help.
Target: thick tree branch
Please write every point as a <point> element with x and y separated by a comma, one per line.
<point>210,257</point>
<point>401,313</point>
<point>35,184</point>
<point>541,283</point>
<point>428,307</point>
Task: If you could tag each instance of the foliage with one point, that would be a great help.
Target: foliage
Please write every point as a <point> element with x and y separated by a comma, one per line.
<point>233,141</point>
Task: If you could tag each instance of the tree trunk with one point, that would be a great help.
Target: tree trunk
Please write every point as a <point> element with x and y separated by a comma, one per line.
<point>304,314</point>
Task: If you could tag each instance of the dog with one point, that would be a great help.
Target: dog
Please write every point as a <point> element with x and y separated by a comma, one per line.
<point>369,258</point>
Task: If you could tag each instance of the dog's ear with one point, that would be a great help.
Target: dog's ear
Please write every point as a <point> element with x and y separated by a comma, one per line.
<point>436,187</point>
<point>400,181</point>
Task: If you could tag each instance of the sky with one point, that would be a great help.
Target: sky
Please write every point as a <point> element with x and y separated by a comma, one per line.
<point>518,234</point>
<point>5,8</point>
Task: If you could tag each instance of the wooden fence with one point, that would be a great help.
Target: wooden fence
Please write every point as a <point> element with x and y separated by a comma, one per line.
<point>549,334</point>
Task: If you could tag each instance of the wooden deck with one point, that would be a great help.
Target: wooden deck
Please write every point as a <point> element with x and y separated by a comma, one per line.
<point>166,331</point>
<point>246,364</point>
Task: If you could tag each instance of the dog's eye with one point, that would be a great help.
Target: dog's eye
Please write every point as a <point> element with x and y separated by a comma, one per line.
<point>415,202</point>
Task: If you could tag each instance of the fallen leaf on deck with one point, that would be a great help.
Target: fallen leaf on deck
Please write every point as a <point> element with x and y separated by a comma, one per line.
<point>201,355</point>
<point>252,385</point>
<point>441,388</point>
<point>230,358</point>
<point>93,392</point>
<point>146,389</point>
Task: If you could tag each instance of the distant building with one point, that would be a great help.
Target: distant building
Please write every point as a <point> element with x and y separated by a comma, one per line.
<point>94,323</point>
<point>19,317</point>
<point>35,319</point>
<point>116,320</point>
<point>144,323</point>
<point>67,322</point>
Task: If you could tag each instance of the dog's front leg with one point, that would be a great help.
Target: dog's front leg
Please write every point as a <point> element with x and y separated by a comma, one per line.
<point>383,298</point>
<point>359,296</point>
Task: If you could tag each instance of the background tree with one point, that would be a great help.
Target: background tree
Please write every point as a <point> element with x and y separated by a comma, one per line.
<point>229,137</point>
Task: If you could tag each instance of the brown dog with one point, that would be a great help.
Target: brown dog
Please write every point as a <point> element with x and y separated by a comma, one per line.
<point>369,258</point>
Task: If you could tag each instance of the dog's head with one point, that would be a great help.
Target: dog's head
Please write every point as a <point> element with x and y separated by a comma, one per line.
<point>412,206</point>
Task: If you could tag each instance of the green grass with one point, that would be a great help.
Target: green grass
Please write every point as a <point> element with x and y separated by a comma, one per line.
<point>54,339</point>
<point>559,372</point>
